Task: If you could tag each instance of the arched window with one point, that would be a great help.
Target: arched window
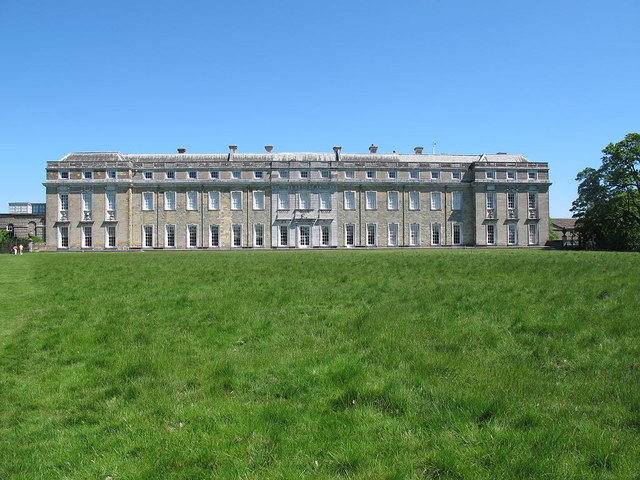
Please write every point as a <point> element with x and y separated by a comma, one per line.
<point>10,229</point>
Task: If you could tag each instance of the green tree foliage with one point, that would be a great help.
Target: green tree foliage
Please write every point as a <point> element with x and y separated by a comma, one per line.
<point>608,203</point>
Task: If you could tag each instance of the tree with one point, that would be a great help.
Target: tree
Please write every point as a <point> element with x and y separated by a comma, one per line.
<point>608,203</point>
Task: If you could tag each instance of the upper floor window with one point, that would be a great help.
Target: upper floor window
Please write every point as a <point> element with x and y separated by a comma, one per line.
<point>511,175</point>
<point>236,175</point>
<point>371,198</point>
<point>414,200</point>
<point>214,200</point>
<point>193,175</point>
<point>456,200</point>
<point>236,200</point>
<point>192,200</point>
<point>392,200</point>
<point>435,175</point>
<point>325,201</point>
<point>147,201</point>
<point>393,174</point>
<point>349,174</point>
<point>533,175</point>
<point>64,175</point>
<point>111,174</point>
<point>258,174</point>
<point>304,173</point>
<point>87,202</point>
<point>64,202</point>
<point>324,173</point>
<point>414,174</point>
<point>111,202</point>
<point>456,175</point>
<point>169,200</point>
<point>258,200</point>
<point>491,175</point>
<point>214,174</point>
<point>436,201</point>
<point>303,201</point>
<point>371,174</point>
<point>148,175</point>
<point>284,174</point>
<point>283,201</point>
<point>349,200</point>
<point>87,174</point>
<point>170,175</point>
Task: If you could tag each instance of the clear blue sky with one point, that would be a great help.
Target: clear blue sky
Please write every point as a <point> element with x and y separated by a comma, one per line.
<point>555,81</point>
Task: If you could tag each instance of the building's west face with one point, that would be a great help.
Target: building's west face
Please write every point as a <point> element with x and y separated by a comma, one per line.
<point>120,201</point>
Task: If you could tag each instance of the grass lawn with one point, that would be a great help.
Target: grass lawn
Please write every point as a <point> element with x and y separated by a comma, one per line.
<point>357,364</point>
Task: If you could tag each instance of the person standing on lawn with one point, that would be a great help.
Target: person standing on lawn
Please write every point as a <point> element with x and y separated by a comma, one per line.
<point>21,248</point>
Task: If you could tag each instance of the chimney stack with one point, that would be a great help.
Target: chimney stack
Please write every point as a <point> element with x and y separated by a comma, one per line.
<point>268,148</point>
<point>182,150</point>
<point>418,150</point>
<point>373,148</point>
<point>233,149</point>
<point>337,151</point>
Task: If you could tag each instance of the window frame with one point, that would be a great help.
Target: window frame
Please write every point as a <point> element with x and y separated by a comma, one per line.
<point>325,240</point>
<point>490,175</point>
<point>214,174</point>
<point>236,194</point>
<point>167,205</point>
<point>304,174</point>
<point>512,234</point>
<point>350,174</point>
<point>216,229</point>
<point>192,230</point>
<point>283,205</point>
<point>435,174</point>
<point>456,195</point>
<point>414,174</point>
<point>371,200</point>
<point>146,244</point>
<point>87,229</point>
<point>214,200</point>
<point>436,230</point>
<point>301,204</point>
<point>390,195</point>
<point>192,175</point>
<point>324,205</point>
<point>257,195</point>
<point>191,198</point>
<point>147,175</point>
<point>436,201</point>
<point>63,174</point>
<point>491,233</point>
<point>170,175</point>
<point>63,238</point>
<point>283,231</point>
<point>416,205</point>
<point>145,204</point>
<point>349,227</point>
<point>258,174</point>
<point>236,174</point>
<point>167,236</point>
<point>107,237</point>
<point>414,235</point>
<point>351,193</point>
<point>371,174</point>
<point>392,228</point>
<point>236,228</point>
<point>368,229</point>
<point>258,234</point>
<point>87,174</point>
<point>453,233</point>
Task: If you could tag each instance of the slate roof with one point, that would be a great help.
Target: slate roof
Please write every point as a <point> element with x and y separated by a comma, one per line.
<point>560,223</point>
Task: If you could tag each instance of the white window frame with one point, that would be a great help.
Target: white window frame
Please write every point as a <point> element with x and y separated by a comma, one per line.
<point>414,174</point>
<point>192,201</point>
<point>371,200</point>
<point>106,236</point>
<point>347,227</point>
<point>87,174</point>
<point>435,174</point>
<point>214,200</point>
<point>436,229</point>
<point>491,229</point>
<point>511,174</point>
<point>170,175</point>
<point>325,201</point>
<point>283,201</point>
<point>192,175</point>
<point>325,174</point>
<point>392,231</point>
<point>393,174</point>
<point>112,175</point>
<point>166,235</point>
<point>258,234</point>
<point>374,227</point>
<point>167,203</point>
<point>456,175</point>
<point>414,235</point>
<point>436,200</point>
<point>456,200</point>
<point>390,201</point>
<point>349,174</point>
<point>304,174</point>
<point>85,229</point>
<point>236,227</point>
<point>490,174</point>
<point>414,200</point>
<point>512,234</point>
<point>147,175</point>
<point>455,225</point>
<point>236,200</point>
<point>258,196</point>
<point>371,174</point>
<point>283,228</point>
<point>190,227</point>
<point>258,174</point>
<point>284,173</point>
<point>147,206</point>
<point>214,174</point>
<point>63,174</point>
<point>307,236</point>
<point>304,201</point>
<point>534,227</point>
<point>352,194</point>
<point>236,174</point>
<point>144,236</point>
<point>87,205</point>
<point>61,237</point>
<point>532,175</point>
<point>325,229</point>
<point>216,229</point>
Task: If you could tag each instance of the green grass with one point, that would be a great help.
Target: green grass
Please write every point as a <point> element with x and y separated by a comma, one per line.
<point>462,364</point>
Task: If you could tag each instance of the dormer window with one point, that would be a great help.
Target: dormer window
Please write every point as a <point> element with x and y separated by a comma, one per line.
<point>491,175</point>
<point>87,175</point>
<point>148,175</point>
<point>171,175</point>
<point>64,175</point>
<point>304,174</point>
<point>435,175</point>
<point>111,174</point>
<point>193,175</point>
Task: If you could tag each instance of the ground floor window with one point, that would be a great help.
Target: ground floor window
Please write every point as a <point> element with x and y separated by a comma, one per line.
<point>215,235</point>
<point>324,235</point>
<point>170,231</point>
<point>414,234</point>
<point>435,234</point>
<point>63,236</point>
<point>371,235</point>
<point>456,234</point>
<point>393,235</point>
<point>147,234</point>
<point>533,234</point>
<point>236,234</point>
<point>491,234</point>
<point>304,235</point>
<point>284,235</point>
<point>511,234</point>
<point>87,238</point>
<point>258,235</point>
<point>111,236</point>
<point>349,235</point>
<point>192,235</point>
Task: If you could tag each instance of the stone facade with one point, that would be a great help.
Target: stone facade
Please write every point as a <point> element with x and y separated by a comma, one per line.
<point>109,200</point>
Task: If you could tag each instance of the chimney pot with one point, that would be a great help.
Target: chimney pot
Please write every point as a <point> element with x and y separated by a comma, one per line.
<point>182,150</point>
<point>233,148</point>
<point>268,148</point>
<point>373,148</point>
<point>418,150</point>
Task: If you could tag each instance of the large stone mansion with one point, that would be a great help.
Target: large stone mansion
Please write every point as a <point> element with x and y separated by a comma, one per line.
<point>115,201</point>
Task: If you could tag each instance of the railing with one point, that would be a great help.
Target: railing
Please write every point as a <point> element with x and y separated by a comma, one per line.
<point>111,215</point>
<point>64,215</point>
<point>491,213</point>
<point>511,213</point>
<point>533,213</point>
<point>87,215</point>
